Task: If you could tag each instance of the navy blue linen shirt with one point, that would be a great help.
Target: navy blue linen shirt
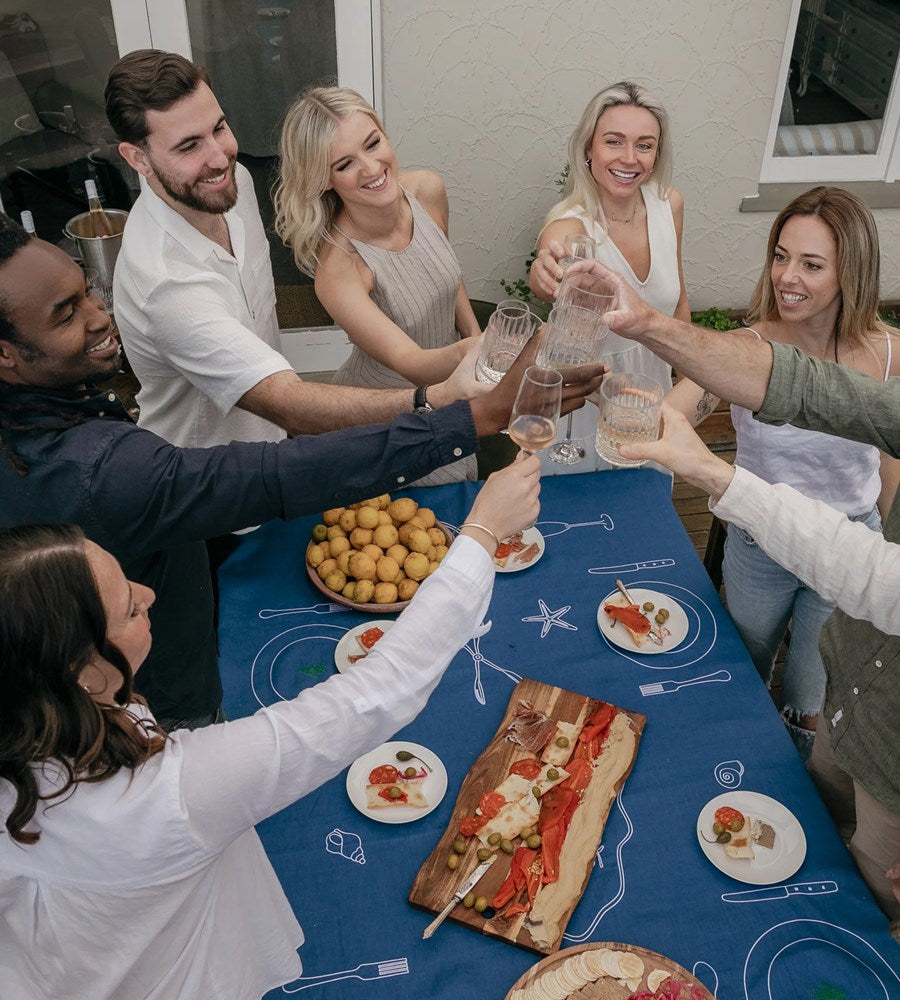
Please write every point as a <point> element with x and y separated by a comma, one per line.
<point>152,504</point>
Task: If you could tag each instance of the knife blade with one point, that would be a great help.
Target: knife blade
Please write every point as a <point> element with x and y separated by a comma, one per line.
<point>781,892</point>
<point>460,893</point>
<point>632,567</point>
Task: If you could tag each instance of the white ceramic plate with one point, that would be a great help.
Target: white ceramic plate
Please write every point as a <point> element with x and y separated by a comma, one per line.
<point>530,536</point>
<point>677,623</point>
<point>769,866</point>
<point>434,787</point>
<point>348,646</point>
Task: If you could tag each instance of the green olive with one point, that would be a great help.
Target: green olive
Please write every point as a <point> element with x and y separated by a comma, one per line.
<point>410,772</point>
<point>552,774</point>
<point>536,792</point>
<point>506,846</point>
<point>494,839</point>
<point>534,841</point>
<point>481,904</point>
<point>394,792</point>
<point>736,824</point>
<point>562,742</point>
<point>718,828</point>
<point>483,853</point>
<point>664,612</point>
<point>660,618</point>
<point>459,846</point>
<point>648,606</point>
<point>469,900</point>
<point>723,838</point>
<point>527,832</point>
<point>319,533</point>
<point>453,862</point>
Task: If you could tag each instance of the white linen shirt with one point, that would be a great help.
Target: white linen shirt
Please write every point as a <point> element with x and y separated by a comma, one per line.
<point>843,560</point>
<point>198,325</point>
<point>152,885</point>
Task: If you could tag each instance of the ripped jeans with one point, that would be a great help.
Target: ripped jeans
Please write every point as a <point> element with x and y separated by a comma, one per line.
<point>762,599</point>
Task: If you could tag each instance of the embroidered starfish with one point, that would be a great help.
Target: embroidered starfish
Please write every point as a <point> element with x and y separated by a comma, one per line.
<point>550,618</point>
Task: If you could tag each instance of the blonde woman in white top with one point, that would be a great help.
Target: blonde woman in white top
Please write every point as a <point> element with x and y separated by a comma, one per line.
<point>619,193</point>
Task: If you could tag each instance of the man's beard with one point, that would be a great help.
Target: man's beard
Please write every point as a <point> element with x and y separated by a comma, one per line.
<point>193,195</point>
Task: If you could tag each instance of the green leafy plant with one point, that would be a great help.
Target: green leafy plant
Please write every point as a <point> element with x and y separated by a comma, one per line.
<point>890,315</point>
<point>714,319</point>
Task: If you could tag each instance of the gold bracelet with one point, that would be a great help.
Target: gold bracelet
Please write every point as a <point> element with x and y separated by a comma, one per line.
<point>473,524</point>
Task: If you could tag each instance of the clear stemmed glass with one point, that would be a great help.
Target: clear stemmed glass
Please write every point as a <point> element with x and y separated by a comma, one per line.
<point>535,412</point>
<point>574,336</point>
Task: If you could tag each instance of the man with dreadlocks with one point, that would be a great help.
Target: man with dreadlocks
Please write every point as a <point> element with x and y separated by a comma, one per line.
<point>71,454</point>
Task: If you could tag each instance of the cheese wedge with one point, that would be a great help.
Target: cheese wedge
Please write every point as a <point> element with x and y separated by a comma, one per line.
<point>554,755</point>
<point>523,811</point>
<point>414,796</point>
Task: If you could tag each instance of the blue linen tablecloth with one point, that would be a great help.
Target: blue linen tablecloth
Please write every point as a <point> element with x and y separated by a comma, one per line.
<point>651,886</point>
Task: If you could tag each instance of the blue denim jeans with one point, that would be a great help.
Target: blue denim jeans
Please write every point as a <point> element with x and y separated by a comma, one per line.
<point>762,598</point>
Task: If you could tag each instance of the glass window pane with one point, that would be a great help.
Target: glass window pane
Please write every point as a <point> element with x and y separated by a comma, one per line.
<point>54,60</point>
<point>259,56</point>
<point>842,69</point>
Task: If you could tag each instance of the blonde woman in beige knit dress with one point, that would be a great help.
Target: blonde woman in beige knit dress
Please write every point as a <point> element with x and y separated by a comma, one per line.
<point>375,239</point>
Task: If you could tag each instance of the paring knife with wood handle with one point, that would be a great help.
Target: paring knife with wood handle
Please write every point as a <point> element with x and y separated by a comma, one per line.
<point>460,894</point>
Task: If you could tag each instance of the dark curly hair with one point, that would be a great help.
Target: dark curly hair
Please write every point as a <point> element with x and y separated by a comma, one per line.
<point>147,80</point>
<point>12,238</point>
<point>52,624</point>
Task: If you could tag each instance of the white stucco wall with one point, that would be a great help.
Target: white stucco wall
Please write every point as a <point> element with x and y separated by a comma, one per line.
<point>488,91</point>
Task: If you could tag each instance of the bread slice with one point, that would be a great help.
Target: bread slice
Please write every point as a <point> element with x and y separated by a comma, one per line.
<point>413,793</point>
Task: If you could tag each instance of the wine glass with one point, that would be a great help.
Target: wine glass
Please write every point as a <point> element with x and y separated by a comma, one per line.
<point>587,290</point>
<point>577,247</point>
<point>536,409</point>
<point>574,336</point>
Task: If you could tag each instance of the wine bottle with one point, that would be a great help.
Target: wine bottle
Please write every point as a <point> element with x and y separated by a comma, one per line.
<point>100,222</point>
<point>28,222</point>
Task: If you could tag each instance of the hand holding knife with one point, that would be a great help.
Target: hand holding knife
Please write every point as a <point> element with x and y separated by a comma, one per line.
<point>459,895</point>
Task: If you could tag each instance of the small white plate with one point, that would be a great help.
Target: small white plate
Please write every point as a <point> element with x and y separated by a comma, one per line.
<point>348,646</point>
<point>434,787</point>
<point>677,623</point>
<point>770,865</point>
<point>530,536</point>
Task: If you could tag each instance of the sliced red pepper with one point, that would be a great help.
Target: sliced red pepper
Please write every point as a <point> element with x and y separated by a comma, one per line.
<point>385,793</point>
<point>528,768</point>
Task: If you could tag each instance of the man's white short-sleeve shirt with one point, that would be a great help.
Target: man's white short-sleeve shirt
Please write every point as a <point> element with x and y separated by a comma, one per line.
<point>197,323</point>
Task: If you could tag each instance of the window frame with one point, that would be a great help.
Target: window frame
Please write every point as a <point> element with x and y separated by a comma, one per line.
<point>883,165</point>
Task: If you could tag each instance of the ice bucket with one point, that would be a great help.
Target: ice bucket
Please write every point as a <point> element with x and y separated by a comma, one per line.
<point>98,252</point>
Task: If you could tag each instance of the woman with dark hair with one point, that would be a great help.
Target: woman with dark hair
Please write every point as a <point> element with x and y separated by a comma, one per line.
<point>131,868</point>
<point>818,291</point>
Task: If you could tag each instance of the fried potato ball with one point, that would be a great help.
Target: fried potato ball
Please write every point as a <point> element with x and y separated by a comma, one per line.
<point>347,520</point>
<point>349,590</point>
<point>338,545</point>
<point>332,516</point>
<point>373,551</point>
<point>386,569</point>
<point>406,588</point>
<point>385,593</point>
<point>363,591</point>
<point>326,567</point>
<point>362,566</point>
<point>336,581</point>
<point>403,532</point>
<point>367,517</point>
<point>440,551</point>
<point>398,552</point>
<point>384,536</point>
<point>343,561</point>
<point>437,536</point>
<point>427,516</point>
<point>402,509</point>
<point>315,556</point>
<point>416,566</point>
<point>384,501</point>
<point>432,566</point>
<point>418,540</point>
<point>360,537</point>
<point>384,517</point>
<point>326,548</point>
<point>336,531</point>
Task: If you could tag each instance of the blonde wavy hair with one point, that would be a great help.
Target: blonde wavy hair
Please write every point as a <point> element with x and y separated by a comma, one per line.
<point>858,262</point>
<point>304,209</point>
<point>581,188</point>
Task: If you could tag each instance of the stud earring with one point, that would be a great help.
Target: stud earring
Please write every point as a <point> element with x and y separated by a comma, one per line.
<point>587,163</point>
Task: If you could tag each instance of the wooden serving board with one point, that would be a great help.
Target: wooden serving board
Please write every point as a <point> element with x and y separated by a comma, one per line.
<point>604,988</point>
<point>435,883</point>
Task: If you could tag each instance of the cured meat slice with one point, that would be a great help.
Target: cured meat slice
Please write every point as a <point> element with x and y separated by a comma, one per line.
<point>530,728</point>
